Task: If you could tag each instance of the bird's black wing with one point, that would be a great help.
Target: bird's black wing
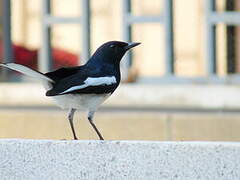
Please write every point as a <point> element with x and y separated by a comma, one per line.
<point>85,81</point>
<point>62,73</point>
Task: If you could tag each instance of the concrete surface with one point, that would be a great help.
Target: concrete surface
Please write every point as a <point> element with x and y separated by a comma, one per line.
<point>138,94</point>
<point>48,159</point>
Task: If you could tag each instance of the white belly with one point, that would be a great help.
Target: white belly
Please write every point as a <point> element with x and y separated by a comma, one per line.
<point>88,102</point>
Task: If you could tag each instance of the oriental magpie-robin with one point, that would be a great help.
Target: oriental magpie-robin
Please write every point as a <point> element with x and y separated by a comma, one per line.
<point>83,87</point>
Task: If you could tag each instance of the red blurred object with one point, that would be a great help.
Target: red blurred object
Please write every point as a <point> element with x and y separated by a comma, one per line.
<point>29,57</point>
<point>63,58</point>
<point>25,56</point>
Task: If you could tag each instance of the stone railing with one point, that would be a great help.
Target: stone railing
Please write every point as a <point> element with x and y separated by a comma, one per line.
<point>50,159</point>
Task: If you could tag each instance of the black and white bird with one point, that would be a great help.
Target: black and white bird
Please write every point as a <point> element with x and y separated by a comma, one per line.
<point>83,87</point>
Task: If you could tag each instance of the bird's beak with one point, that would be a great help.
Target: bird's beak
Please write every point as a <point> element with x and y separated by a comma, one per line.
<point>131,45</point>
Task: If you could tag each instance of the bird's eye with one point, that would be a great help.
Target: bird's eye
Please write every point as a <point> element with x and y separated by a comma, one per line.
<point>112,46</point>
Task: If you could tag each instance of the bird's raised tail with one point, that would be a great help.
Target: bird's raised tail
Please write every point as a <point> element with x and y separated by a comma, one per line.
<point>27,71</point>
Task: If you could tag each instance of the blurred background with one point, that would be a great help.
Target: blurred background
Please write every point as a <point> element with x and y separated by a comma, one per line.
<point>181,83</point>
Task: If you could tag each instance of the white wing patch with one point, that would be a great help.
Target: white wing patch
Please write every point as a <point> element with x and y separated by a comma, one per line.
<point>92,81</point>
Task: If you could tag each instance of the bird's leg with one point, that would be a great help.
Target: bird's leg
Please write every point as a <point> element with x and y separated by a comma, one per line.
<point>70,118</point>
<point>90,118</point>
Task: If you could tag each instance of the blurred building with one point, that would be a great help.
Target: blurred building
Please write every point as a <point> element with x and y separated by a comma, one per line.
<point>107,24</point>
<point>189,57</point>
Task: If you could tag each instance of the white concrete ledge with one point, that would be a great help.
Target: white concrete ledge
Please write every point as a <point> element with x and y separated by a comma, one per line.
<point>48,159</point>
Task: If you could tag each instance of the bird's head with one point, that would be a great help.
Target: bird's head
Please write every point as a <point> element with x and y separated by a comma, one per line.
<point>113,51</point>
